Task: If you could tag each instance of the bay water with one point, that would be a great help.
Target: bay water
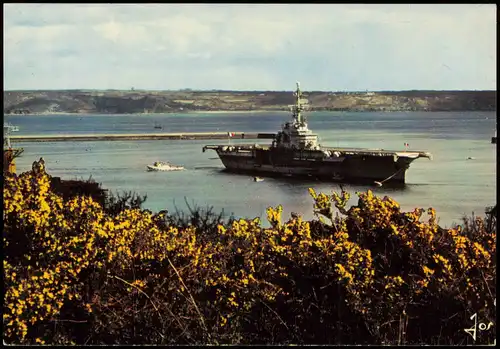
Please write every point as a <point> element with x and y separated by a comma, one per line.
<point>459,180</point>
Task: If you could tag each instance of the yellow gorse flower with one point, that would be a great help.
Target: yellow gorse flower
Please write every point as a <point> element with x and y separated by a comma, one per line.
<point>244,265</point>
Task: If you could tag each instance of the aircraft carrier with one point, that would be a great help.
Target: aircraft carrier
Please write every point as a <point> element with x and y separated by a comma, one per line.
<point>295,152</point>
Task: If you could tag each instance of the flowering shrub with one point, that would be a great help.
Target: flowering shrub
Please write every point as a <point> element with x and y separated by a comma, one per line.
<point>78,273</point>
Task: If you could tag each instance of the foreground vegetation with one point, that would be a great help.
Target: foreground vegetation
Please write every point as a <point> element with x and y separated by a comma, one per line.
<point>80,272</point>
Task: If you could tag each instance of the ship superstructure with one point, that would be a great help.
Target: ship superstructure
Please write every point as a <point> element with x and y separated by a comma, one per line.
<point>296,134</point>
<point>295,151</point>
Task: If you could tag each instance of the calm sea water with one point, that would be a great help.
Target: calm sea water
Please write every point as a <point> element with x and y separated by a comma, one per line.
<point>450,183</point>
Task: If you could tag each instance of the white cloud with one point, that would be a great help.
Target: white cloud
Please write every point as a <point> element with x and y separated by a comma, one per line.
<point>110,30</point>
<point>341,46</point>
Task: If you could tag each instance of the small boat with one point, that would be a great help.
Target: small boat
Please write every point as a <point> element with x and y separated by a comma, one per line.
<point>158,126</point>
<point>258,179</point>
<point>164,166</point>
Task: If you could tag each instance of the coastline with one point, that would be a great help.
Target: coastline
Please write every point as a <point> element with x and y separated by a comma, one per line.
<point>177,113</point>
<point>234,111</point>
<point>277,111</point>
<point>166,102</point>
<point>47,113</point>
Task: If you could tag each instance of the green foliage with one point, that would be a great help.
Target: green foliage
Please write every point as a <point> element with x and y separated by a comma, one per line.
<point>116,203</point>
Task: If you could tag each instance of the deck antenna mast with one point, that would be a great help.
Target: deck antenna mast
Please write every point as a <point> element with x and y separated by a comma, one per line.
<point>299,106</point>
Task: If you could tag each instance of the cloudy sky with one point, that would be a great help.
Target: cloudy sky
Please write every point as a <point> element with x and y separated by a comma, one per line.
<point>331,47</point>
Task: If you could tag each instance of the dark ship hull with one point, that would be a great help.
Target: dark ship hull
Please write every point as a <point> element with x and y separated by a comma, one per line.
<point>329,164</point>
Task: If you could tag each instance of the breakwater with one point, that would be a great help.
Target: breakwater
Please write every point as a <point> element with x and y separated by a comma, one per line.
<point>142,136</point>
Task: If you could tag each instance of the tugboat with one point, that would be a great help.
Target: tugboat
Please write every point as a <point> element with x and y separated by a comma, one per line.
<point>295,152</point>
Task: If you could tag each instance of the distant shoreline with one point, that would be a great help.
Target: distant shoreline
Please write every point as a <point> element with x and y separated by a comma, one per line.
<point>248,112</point>
<point>163,113</point>
<point>234,111</point>
<point>220,102</point>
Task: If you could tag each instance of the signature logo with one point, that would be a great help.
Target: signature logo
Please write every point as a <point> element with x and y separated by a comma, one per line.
<point>482,327</point>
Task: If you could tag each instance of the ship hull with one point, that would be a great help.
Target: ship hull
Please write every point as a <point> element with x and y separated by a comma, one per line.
<point>353,168</point>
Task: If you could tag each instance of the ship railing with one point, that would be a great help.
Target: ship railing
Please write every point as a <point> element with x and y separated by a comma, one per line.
<point>381,152</point>
<point>237,147</point>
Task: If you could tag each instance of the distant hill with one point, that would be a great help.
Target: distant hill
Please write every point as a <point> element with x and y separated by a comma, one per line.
<point>122,102</point>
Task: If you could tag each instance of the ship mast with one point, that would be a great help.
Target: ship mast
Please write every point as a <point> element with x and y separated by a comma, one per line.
<point>298,107</point>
